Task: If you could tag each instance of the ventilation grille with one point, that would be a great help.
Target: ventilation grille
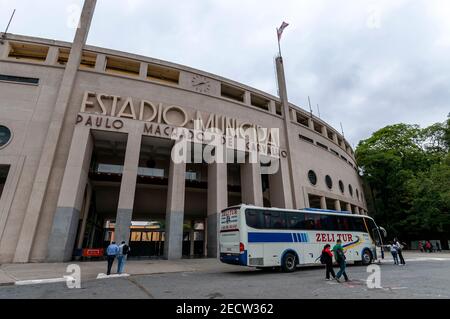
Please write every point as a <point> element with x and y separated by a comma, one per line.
<point>256,261</point>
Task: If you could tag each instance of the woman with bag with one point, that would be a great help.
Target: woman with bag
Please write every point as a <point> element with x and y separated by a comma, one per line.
<point>327,259</point>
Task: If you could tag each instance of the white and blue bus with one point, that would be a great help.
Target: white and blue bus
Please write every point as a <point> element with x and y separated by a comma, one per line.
<point>272,237</point>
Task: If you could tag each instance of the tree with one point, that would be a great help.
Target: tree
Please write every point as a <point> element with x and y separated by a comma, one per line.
<point>406,173</point>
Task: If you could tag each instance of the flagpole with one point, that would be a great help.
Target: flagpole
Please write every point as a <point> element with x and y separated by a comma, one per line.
<point>279,45</point>
<point>293,202</point>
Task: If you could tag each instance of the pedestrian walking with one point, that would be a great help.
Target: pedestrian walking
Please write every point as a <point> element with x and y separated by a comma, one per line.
<point>428,246</point>
<point>327,259</point>
<point>399,248</point>
<point>420,246</point>
<point>438,247</point>
<point>393,249</point>
<point>111,253</point>
<point>339,256</point>
<point>124,249</point>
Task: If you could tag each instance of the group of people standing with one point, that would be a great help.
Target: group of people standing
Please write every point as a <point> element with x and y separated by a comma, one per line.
<point>428,246</point>
<point>117,251</point>
<point>339,255</point>
<point>396,249</point>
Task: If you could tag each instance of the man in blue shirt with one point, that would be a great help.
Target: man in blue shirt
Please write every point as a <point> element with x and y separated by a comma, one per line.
<point>111,253</point>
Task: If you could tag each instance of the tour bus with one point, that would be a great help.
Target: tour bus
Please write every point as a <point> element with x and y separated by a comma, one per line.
<point>272,237</point>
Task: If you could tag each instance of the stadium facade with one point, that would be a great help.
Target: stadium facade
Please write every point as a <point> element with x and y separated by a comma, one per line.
<point>86,153</point>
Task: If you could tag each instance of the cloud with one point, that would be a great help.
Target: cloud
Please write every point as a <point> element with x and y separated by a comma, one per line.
<point>367,63</point>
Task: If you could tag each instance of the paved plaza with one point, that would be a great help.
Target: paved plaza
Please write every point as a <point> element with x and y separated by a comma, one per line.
<point>424,276</point>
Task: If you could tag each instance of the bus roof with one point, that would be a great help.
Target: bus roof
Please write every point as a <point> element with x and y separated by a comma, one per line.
<point>304,210</point>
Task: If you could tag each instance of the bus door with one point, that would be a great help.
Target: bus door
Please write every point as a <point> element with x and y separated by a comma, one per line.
<point>254,220</point>
<point>376,237</point>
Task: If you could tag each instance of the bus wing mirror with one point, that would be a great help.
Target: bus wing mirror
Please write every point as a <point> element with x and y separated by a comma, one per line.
<point>383,231</point>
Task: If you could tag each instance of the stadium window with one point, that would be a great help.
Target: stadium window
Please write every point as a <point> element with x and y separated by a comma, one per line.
<point>231,92</point>
<point>341,187</point>
<point>350,189</point>
<point>88,60</point>
<point>330,134</point>
<point>312,177</point>
<point>317,127</point>
<point>122,66</point>
<point>162,74</point>
<point>314,201</point>
<point>4,171</point>
<point>301,119</point>
<point>259,102</point>
<point>28,52</point>
<point>18,79</point>
<point>306,139</point>
<point>278,108</point>
<point>334,152</point>
<point>322,146</point>
<point>63,56</point>
<point>329,181</point>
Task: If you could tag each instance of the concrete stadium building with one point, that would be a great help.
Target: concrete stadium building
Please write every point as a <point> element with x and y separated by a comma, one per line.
<point>85,153</point>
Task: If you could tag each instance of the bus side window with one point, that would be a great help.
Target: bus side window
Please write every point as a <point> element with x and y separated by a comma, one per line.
<point>253,218</point>
<point>276,220</point>
<point>309,222</point>
<point>328,222</point>
<point>343,223</point>
<point>295,220</point>
<point>358,225</point>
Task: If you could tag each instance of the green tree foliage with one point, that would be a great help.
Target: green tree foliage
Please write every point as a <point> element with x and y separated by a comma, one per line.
<point>406,171</point>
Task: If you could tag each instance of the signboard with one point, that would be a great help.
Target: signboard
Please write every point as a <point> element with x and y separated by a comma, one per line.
<point>93,252</point>
<point>229,220</point>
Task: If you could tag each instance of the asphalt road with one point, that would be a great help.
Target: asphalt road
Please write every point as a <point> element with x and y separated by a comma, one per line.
<point>426,278</point>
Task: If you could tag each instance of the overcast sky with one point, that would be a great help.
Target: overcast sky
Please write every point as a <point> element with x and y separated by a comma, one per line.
<point>366,63</point>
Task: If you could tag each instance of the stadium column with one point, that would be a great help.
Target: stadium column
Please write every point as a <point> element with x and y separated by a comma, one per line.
<point>173,245</point>
<point>251,184</point>
<point>217,201</point>
<point>128,186</point>
<point>65,223</point>
<point>323,202</point>
<point>349,207</point>
<point>280,188</point>
<point>337,205</point>
<point>42,176</point>
<point>4,50</point>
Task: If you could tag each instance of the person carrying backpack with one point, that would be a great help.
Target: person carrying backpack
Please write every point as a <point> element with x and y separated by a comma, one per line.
<point>111,253</point>
<point>124,250</point>
<point>327,259</point>
<point>339,256</point>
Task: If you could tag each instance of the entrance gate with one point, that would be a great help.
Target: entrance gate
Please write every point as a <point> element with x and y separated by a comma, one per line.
<point>146,243</point>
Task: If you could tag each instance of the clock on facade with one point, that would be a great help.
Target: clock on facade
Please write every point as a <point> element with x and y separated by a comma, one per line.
<point>201,84</point>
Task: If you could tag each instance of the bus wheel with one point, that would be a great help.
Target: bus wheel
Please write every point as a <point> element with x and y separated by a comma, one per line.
<point>289,263</point>
<point>366,257</point>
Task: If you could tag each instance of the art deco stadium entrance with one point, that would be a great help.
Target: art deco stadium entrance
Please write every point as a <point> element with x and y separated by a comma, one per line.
<point>147,232</point>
